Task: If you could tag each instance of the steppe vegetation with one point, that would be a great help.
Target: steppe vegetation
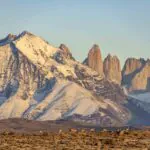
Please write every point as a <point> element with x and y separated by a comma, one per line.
<point>77,140</point>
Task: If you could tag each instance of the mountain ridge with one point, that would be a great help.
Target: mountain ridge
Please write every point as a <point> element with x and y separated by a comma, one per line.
<point>42,82</point>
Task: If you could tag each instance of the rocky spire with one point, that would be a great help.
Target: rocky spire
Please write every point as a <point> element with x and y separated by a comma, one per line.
<point>94,59</point>
<point>131,67</point>
<point>136,74</point>
<point>141,80</point>
<point>112,68</point>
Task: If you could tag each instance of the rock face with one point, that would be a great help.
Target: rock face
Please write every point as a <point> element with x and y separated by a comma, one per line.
<point>7,39</point>
<point>65,51</point>
<point>136,74</point>
<point>63,54</point>
<point>112,69</point>
<point>141,80</point>
<point>132,65</point>
<point>18,74</point>
<point>94,59</point>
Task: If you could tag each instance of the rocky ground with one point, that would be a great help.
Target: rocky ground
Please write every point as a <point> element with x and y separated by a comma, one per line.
<point>77,140</point>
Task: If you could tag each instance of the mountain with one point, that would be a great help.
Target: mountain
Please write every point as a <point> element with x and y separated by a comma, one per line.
<point>136,74</point>
<point>94,59</point>
<point>41,82</point>
<point>112,69</point>
<point>134,79</point>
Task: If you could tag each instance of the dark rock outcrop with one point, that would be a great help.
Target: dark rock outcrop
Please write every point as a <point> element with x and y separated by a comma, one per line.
<point>65,51</point>
<point>7,39</point>
<point>63,54</point>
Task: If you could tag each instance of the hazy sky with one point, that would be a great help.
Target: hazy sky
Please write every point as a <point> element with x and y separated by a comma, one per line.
<point>120,27</point>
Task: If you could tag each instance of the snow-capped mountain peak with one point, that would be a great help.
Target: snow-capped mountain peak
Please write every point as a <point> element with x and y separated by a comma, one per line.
<point>43,82</point>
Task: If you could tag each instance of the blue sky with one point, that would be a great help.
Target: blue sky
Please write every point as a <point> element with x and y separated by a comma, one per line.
<point>119,27</point>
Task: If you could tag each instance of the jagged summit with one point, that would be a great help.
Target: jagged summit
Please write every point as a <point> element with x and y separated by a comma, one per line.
<point>94,59</point>
<point>12,36</point>
<point>24,33</point>
<point>136,74</point>
<point>95,47</point>
<point>9,38</point>
<point>65,51</point>
<point>64,48</point>
<point>110,56</point>
<point>112,69</point>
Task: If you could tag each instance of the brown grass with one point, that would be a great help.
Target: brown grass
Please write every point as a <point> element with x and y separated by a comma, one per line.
<point>78,140</point>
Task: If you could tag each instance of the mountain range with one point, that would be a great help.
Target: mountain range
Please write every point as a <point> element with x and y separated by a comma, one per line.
<point>39,81</point>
